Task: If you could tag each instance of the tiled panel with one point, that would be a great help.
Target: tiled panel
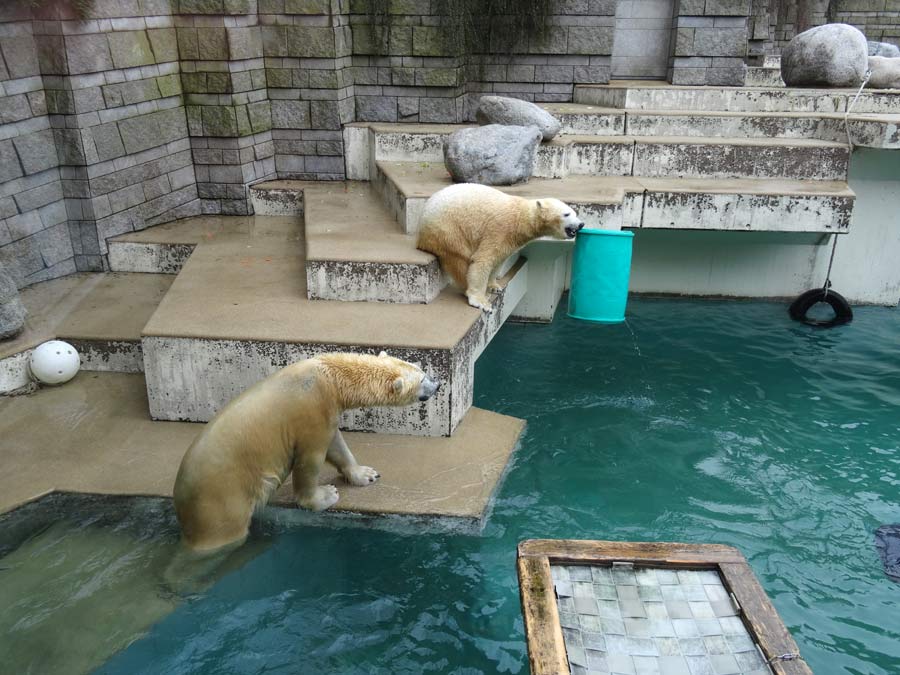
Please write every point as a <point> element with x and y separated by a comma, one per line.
<point>643,621</point>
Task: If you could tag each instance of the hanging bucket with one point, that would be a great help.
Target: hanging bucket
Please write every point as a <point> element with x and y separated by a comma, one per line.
<point>601,267</point>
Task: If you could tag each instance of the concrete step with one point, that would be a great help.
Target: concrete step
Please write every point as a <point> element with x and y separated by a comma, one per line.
<point>769,205</point>
<point>762,76</point>
<point>100,314</point>
<point>587,120</point>
<point>636,95</point>
<point>431,483</point>
<point>692,157</point>
<point>624,155</point>
<point>239,310</point>
<point>360,258</point>
<point>866,130</point>
<point>600,202</point>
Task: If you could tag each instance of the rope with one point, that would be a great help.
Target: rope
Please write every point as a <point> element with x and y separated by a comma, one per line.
<point>850,108</point>
<point>830,263</point>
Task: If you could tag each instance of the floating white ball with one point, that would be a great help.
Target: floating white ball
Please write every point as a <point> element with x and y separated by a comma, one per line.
<point>54,362</point>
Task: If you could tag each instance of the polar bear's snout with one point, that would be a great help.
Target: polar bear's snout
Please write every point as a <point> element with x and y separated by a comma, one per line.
<point>572,230</point>
<point>428,387</point>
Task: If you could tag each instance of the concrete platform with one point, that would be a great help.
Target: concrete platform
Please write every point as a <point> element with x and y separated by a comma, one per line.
<point>93,435</point>
<point>771,205</point>
<point>102,315</point>
<point>238,310</point>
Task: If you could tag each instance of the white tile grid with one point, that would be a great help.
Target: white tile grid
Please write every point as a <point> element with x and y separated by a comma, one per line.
<point>646,621</point>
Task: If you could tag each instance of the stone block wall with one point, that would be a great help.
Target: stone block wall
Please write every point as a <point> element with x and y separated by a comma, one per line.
<point>709,42</point>
<point>106,139</point>
<point>423,81</point>
<point>34,236</point>
<point>775,23</point>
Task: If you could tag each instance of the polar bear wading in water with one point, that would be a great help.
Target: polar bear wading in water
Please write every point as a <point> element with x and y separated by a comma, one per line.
<point>285,424</point>
<point>472,229</point>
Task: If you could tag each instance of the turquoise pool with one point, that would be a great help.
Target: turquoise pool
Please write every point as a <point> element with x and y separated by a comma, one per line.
<point>697,421</point>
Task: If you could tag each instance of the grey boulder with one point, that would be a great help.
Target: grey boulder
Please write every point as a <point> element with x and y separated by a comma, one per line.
<point>885,73</point>
<point>492,155</point>
<point>883,49</point>
<point>515,112</point>
<point>12,311</point>
<point>833,55</point>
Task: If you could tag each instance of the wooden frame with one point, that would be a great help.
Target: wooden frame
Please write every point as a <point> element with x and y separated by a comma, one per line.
<point>546,648</point>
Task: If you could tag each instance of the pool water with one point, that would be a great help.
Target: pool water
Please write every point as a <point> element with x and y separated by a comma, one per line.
<point>696,421</point>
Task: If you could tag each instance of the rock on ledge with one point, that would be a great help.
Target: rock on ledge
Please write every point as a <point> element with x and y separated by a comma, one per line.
<point>833,55</point>
<point>515,112</point>
<point>492,155</point>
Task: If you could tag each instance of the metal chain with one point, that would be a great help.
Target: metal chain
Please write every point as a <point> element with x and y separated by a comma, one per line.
<point>791,656</point>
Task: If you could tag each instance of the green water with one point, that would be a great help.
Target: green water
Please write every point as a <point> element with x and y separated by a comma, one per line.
<point>697,421</point>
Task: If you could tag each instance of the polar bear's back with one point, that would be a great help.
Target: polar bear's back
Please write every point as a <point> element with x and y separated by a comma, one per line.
<point>464,209</point>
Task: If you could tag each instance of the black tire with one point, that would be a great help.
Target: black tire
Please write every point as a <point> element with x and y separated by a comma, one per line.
<point>842,312</point>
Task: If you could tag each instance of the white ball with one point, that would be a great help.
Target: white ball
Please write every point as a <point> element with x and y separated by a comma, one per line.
<point>54,362</point>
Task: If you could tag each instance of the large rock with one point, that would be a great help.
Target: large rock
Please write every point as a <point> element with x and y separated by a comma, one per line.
<point>833,55</point>
<point>885,73</point>
<point>492,155</point>
<point>12,312</point>
<point>884,49</point>
<point>515,112</point>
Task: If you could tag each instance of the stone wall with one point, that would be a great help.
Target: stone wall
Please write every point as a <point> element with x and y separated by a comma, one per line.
<point>102,147</point>
<point>774,22</point>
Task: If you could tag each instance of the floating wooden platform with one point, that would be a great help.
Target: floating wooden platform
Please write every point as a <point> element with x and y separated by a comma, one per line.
<point>595,607</point>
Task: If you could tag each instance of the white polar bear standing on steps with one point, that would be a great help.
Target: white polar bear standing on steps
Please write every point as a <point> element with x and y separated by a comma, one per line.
<point>472,229</point>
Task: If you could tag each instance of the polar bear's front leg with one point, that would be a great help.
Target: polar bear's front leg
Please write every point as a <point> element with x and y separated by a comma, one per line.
<point>305,477</point>
<point>477,278</point>
<point>342,459</point>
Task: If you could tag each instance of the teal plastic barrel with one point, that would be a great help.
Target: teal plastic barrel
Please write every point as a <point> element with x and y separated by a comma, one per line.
<point>601,267</point>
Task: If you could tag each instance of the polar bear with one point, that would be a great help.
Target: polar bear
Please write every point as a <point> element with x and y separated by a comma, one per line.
<point>285,424</point>
<point>473,228</point>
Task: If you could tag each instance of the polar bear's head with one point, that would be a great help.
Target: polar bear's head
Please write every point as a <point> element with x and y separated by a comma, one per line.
<point>410,382</point>
<point>558,218</point>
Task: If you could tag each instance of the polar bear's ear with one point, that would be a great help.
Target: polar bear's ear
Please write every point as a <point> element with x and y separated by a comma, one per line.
<point>397,386</point>
<point>382,355</point>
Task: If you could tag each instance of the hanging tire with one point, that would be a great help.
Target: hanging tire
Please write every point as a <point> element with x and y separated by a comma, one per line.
<point>801,306</point>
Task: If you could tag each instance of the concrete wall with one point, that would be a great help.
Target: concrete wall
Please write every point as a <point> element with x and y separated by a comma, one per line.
<point>641,41</point>
<point>778,265</point>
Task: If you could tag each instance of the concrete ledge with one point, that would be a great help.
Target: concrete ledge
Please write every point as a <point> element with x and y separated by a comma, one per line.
<point>273,198</point>
<point>101,315</point>
<point>119,451</point>
<point>761,76</point>
<point>636,95</point>
<point>132,256</point>
<point>776,205</point>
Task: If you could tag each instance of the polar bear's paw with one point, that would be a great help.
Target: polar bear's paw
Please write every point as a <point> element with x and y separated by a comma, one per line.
<point>324,497</point>
<point>480,302</point>
<point>495,285</point>
<point>361,475</point>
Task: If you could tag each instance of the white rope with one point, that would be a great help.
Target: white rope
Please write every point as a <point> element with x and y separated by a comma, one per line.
<point>850,108</point>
